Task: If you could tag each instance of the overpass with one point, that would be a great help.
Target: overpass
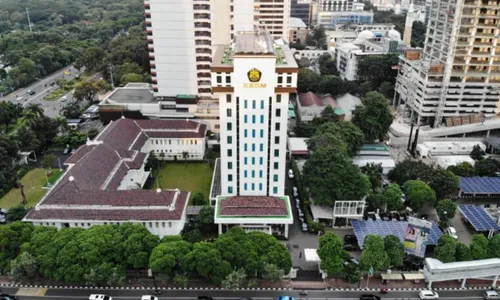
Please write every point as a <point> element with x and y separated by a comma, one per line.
<point>435,270</point>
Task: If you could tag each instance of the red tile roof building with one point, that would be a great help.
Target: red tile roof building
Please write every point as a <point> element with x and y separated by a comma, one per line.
<point>99,184</point>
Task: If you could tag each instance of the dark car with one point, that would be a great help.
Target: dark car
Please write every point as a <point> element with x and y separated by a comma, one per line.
<point>350,247</point>
<point>369,297</point>
<point>7,297</point>
<point>31,92</point>
<point>205,298</point>
<point>350,239</point>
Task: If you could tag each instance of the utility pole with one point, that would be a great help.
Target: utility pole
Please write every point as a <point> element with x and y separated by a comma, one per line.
<point>111,75</point>
<point>29,21</point>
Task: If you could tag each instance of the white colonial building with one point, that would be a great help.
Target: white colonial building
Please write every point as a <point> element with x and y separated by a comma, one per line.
<point>104,179</point>
<point>252,79</point>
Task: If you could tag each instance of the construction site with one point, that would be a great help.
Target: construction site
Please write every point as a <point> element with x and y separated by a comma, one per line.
<point>455,79</point>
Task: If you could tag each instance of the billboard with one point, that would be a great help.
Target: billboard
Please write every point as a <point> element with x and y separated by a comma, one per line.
<point>416,236</point>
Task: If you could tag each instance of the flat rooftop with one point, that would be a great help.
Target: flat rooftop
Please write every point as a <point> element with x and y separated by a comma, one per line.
<point>131,95</point>
<point>253,44</point>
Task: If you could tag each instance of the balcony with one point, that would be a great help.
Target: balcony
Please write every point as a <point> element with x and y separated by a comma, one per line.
<point>201,7</point>
<point>203,43</point>
<point>203,59</point>
<point>203,51</point>
<point>204,83</point>
<point>207,108</point>
<point>202,25</point>
<point>203,75</point>
<point>202,34</point>
<point>203,67</point>
<point>204,90</point>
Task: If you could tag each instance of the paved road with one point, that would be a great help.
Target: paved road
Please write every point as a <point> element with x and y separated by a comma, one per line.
<point>69,294</point>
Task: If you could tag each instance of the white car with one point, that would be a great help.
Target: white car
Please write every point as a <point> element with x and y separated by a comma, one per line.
<point>491,295</point>
<point>290,174</point>
<point>428,295</point>
<point>451,231</point>
<point>148,297</point>
<point>99,297</point>
<point>295,191</point>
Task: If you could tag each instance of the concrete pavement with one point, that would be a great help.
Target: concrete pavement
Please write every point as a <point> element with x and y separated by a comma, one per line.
<point>77,293</point>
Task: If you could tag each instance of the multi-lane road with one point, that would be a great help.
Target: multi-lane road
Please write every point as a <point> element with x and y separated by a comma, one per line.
<point>74,294</point>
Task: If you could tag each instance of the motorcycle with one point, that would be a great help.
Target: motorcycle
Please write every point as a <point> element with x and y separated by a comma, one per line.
<point>384,290</point>
<point>304,293</point>
<point>156,292</point>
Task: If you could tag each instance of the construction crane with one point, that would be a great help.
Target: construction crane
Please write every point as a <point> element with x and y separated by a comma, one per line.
<point>449,61</point>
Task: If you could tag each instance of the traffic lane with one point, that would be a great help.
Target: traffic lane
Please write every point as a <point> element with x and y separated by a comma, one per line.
<point>40,83</point>
<point>313,294</point>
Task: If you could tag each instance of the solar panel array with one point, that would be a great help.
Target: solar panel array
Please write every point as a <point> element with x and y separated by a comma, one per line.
<point>383,228</point>
<point>480,185</point>
<point>478,217</point>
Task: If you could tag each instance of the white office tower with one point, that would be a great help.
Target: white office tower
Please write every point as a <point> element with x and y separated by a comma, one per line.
<point>458,72</point>
<point>182,33</point>
<point>252,79</point>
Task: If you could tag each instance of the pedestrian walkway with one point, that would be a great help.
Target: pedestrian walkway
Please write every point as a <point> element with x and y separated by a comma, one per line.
<point>33,292</point>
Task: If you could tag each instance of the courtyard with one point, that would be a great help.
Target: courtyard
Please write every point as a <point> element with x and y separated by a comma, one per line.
<point>185,176</point>
<point>33,182</point>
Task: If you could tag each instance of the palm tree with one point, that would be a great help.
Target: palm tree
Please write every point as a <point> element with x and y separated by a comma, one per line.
<point>63,124</point>
<point>32,114</point>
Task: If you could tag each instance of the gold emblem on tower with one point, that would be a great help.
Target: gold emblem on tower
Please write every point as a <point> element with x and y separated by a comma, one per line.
<point>254,75</point>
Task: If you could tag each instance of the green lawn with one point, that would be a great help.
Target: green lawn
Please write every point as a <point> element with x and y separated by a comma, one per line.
<point>186,176</point>
<point>55,95</point>
<point>33,182</point>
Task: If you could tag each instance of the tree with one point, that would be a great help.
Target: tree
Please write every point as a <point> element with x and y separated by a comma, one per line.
<point>464,169</point>
<point>387,89</point>
<point>206,260</point>
<point>446,249</point>
<point>131,77</point>
<point>91,59</point>
<point>331,254</point>
<point>462,252</point>
<point>418,34</point>
<point>393,195</point>
<point>138,243</point>
<point>446,210</point>
<point>410,170</point>
<point>198,199</point>
<point>206,219</point>
<point>25,265</point>
<point>351,272</point>
<point>169,257</point>
<point>374,173</point>
<point>444,183</point>
<point>352,88</point>
<point>27,139</point>
<point>350,134</point>
<point>374,254</point>
<point>270,251</point>
<point>92,133</point>
<point>88,89</point>
<point>317,37</point>
<point>71,110</point>
<point>494,246</point>
<point>327,65</point>
<point>180,281</point>
<point>307,81</point>
<point>191,235</point>
<point>322,140</point>
<point>48,160</point>
<point>365,87</point>
<point>235,280</point>
<point>374,117</point>
<point>32,115</point>
<point>330,84</point>
<point>332,176</point>
<point>185,155</point>
<point>418,193</point>
<point>7,115</point>
<point>479,247</point>
<point>487,167</point>
<point>238,249</point>
<point>477,153</point>
<point>16,213</point>
<point>12,236</point>
<point>378,68</point>
<point>395,250</point>
<point>272,273</point>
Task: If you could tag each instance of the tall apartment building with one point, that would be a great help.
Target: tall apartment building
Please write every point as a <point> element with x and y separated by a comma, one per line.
<point>301,9</point>
<point>182,33</point>
<point>252,79</point>
<point>458,71</point>
<point>332,13</point>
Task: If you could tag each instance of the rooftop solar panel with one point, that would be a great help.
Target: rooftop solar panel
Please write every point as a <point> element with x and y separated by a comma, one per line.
<point>480,185</point>
<point>383,228</point>
<point>478,217</point>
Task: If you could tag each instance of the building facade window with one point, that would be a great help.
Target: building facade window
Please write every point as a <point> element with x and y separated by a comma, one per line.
<point>253,133</point>
<point>262,104</point>
<point>245,160</point>
<point>253,160</point>
<point>229,152</point>
<point>275,178</point>
<point>275,189</point>
<point>245,186</point>
<point>253,119</point>
<point>262,133</point>
<point>245,147</point>
<point>229,112</point>
<point>253,186</point>
<point>230,165</point>
<point>245,132</point>
<point>230,189</point>
<point>261,160</point>
<point>253,173</point>
<point>245,119</point>
<point>276,153</point>
<point>245,174</point>
<point>262,119</point>
<point>219,79</point>
<point>278,112</point>
<point>254,104</point>
<point>245,104</point>
<point>228,79</point>
<point>253,147</point>
<point>228,98</point>
<point>278,98</point>
<point>230,177</point>
<point>229,126</point>
<point>277,126</point>
<point>261,147</point>
<point>260,186</point>
<point>276,139</point>
<point>289,79</point>
<point>229,139</point>
<point>261,173</point>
